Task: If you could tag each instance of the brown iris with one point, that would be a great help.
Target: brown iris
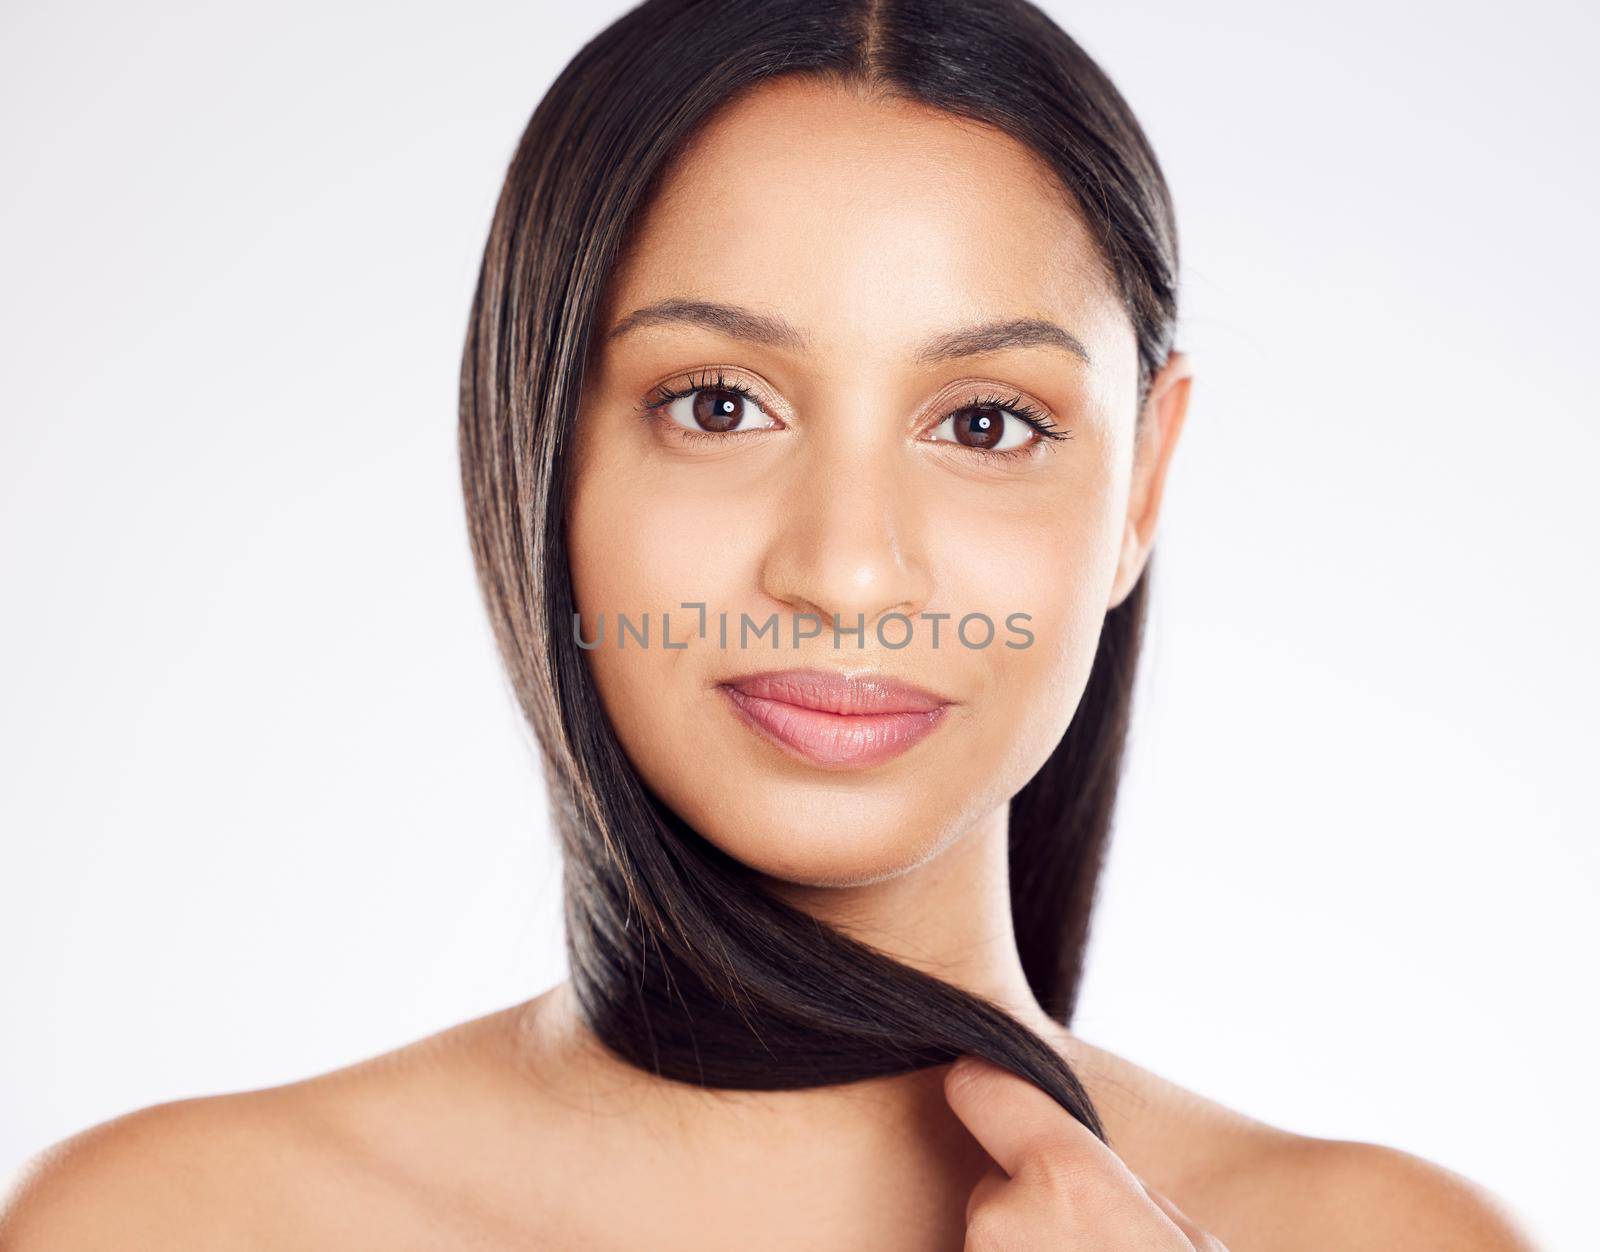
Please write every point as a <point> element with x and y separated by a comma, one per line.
<point>718,411</point>
<point>978,427</point>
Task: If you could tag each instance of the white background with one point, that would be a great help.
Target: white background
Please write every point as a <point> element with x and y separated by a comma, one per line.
<point>268,808</point>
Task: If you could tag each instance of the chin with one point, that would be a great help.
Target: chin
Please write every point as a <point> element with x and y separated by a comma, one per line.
<point>826,836</point>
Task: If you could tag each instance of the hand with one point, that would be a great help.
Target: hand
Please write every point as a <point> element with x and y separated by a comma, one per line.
<point>1055,1186</point>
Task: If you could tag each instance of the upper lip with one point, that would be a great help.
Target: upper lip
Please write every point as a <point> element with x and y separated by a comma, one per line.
<point>832,692</point>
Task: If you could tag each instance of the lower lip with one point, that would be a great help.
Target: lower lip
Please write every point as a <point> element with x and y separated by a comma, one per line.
<point>850,741</point>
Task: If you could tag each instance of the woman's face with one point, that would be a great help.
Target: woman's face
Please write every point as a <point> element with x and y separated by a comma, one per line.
<point>843,314</point>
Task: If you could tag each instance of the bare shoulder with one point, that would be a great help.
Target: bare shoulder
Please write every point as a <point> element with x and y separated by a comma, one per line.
<point>180,1175</point>
<point>1255,1185</point>
<point>1365,1195</point>
<point>276,1167</point>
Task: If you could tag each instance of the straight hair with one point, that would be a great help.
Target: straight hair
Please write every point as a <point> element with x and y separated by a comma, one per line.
<point>681,963</point>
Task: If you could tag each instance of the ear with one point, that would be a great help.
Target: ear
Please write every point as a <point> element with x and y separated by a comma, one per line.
<point>1160,424</point>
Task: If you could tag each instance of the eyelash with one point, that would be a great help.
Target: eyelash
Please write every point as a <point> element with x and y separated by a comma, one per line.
<point>1014,404</point>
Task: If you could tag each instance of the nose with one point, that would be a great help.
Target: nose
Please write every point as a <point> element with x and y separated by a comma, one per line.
<point>850,542</point>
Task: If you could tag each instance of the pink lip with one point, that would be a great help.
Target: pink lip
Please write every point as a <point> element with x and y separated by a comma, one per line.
<point>833,720</point>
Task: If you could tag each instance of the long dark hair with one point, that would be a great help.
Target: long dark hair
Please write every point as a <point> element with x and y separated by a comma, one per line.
<point>681,963</point>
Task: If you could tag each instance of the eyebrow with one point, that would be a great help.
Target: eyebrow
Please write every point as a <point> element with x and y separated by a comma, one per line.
<point>771,331</point>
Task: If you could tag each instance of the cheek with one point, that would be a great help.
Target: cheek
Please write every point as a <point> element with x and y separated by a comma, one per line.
<point>641,543</point>
<point>1056,567</point>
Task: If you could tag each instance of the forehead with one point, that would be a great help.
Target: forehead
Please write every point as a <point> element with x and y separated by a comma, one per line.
<point>861,216</point>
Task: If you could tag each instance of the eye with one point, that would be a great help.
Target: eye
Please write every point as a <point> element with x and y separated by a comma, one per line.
<point>711,407</point>
<point>995,425</point>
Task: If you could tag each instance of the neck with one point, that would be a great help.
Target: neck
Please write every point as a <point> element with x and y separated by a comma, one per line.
<point>949,917</point>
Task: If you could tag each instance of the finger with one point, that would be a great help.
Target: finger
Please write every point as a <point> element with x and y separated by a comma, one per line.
<point>987,1191</point>
<point>1013,1119</point>
<point>1202,1240</point>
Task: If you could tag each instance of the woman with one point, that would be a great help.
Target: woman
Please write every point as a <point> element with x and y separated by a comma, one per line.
<point>817,402</point>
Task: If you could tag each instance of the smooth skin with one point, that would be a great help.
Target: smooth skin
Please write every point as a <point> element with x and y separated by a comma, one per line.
<point>853,232</point>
